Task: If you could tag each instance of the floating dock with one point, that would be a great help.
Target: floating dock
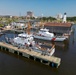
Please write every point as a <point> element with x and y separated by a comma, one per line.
<point>48,60</point>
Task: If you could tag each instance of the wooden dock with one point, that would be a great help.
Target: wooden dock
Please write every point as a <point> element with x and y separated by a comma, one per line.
<point>48,60</point>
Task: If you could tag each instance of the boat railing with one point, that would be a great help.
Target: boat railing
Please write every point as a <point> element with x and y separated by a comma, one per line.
<point>60,36</point>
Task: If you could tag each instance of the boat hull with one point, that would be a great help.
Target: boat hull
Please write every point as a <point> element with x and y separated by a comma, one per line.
<point>50,38</point>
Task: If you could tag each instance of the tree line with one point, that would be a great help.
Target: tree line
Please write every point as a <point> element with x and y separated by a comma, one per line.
<point>44,19</point>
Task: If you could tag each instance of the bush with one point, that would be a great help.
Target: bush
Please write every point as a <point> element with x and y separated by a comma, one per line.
<point>1,25</point>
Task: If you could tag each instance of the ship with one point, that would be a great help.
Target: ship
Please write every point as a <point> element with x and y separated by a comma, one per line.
<point>44,34</point>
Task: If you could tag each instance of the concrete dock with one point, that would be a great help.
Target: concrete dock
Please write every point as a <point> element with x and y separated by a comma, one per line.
<point>48,60</point>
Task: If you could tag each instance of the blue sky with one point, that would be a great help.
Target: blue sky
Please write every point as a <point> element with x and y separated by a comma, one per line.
<point>45,7</point>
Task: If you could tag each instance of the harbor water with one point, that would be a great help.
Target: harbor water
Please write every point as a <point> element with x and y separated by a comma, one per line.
<point>12,64</point>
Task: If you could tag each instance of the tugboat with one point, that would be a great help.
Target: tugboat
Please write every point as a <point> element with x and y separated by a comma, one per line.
<point>44,34</point>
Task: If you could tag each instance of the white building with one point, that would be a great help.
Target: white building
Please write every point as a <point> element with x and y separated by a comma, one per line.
<point>59,16</point>
<point>30,14</point>
<point>20,24</point>
<point>64,18</point>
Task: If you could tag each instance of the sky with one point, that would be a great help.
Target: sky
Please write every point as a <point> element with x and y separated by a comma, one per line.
<point>38,7</point>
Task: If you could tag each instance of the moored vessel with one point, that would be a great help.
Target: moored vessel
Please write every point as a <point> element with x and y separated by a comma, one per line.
<point>44,34</point>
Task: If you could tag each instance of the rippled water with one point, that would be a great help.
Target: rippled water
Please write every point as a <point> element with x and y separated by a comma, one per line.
<point>11,64</point>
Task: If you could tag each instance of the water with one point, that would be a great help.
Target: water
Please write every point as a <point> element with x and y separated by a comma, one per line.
<point>11,64</point>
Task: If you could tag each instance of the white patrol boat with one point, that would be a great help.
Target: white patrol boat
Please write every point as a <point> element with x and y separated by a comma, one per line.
<point>46,35</point>
<point>24,39</point>
<point>27,40</point>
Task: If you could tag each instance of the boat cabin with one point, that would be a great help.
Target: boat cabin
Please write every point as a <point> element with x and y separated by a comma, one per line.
<point>45,32</point>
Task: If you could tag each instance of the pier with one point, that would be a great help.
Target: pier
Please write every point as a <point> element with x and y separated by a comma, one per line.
<point>45,59</point>
<point>13,30</point>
